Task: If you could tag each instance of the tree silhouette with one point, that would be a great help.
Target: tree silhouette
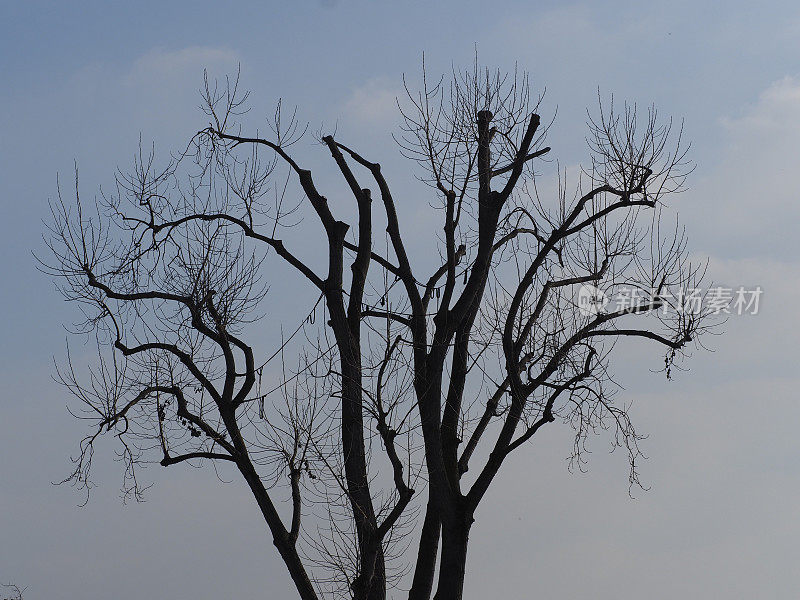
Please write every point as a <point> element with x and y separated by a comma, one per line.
<point>397,382</point>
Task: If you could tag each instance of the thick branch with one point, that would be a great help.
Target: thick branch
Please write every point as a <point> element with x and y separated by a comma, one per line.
<point>173,460</point>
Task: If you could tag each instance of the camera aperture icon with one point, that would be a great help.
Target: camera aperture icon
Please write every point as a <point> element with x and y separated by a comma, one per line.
<point>591,300</point>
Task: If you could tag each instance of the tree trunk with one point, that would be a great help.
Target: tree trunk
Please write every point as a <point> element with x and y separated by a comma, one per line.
<point>280,538</point>
<point>370,583</point>
<point>452,566</point>
<point>426,556</point>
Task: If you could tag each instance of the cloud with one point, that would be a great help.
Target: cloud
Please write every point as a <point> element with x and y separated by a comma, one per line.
<point>165,83</point>
<point>160,64</point>
<point>749,203</point>
<point>374,103</point>
<point>579,35</point>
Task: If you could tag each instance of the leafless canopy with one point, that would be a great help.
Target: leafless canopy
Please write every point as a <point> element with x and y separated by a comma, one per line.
<point>397,382</point>
<point>11,591</point>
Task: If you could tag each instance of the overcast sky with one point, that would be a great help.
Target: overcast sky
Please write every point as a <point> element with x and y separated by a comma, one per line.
<point>721,519</point>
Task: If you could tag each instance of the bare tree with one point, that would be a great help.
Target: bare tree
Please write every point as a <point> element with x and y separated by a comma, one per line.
<point>11,591</point>
<point>396,381</point>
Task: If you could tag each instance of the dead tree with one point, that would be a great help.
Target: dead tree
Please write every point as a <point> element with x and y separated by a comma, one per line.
<point>398,381</point>
<point>11,591</point>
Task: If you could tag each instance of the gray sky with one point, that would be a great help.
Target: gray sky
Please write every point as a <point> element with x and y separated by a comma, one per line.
<point>721,518</point>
